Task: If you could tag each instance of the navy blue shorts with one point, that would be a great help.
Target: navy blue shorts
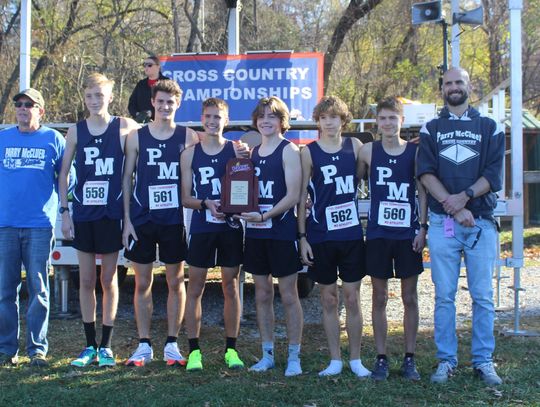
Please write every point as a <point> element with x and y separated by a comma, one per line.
<point>279,258</point>
<point>101,236</point>
<point>388,258</point>
<point>333,259</point>
<point>212,249</point>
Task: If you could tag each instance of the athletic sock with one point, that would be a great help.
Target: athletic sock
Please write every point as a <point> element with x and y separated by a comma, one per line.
<point>230,343</point>
<point>106,336</point>
<point>90,333</point>
<point>193,344</point>
<point>293,361</point>
<point>171,339</point>
<point>145,340</point>
<point>267,360</point>
<point>334,368</point>
<point>358,368</point>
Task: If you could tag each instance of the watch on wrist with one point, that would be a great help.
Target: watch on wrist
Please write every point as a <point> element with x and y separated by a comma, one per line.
<point>470,193</point>
<point>424,226</point>
<point>300,235</point>
<point>203,204</point>
<point>63,209</point>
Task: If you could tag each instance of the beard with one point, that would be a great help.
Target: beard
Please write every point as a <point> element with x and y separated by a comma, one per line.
<point>453,101</point>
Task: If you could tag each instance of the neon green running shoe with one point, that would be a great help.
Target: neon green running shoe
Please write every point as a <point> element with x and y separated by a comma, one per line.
<point>194,361</point>
<point>232,360</point>
<point>86,357</point>
<point>106,357</point>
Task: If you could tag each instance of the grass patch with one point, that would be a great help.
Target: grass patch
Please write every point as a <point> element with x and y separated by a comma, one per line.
<point>156,385</point>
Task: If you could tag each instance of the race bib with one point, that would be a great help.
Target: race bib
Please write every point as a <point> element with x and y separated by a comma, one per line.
<point>394,214</point>
<point>95,192</point>
<point>341,216</point>
<point>163,196</point>
<point>211,218</point>
<point>267,224</point>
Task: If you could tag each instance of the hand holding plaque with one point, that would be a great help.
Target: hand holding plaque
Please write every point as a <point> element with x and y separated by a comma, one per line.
<point>239,187</point>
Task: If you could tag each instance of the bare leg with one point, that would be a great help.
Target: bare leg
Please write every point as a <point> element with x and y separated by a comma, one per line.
<point>378,312</point>
<point>109,285</point>
<point>264,300</point>
<point>143,298</point>
<point>87,285</point>
<point>176,298</point>
<point>231,294</point>
<point>330,302</point>
<point>293,310</point>
<point>409,297</point>
<point>195,290</point>
<point>351,297</point>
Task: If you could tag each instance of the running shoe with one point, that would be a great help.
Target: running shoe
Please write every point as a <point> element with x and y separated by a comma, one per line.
<point>8,360</point>
<point>106,357</point>
<point>172,355</point>
<point>194,361</point>
<point>232,360</point>
<point>443,372</point>
<point>380,370</point>
<point>408,369</point>
<point>86,357</point>
<point>142,355</point>
<point>38,360</point>
<point>486,372</point>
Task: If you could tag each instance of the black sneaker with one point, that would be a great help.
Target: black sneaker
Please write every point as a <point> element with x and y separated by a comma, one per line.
<point>408,369</point>
<point>8,360</point>
<point>380,370</point>
<point>38,360</point>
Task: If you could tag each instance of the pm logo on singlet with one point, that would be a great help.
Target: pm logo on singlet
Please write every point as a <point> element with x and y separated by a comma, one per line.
<point>166,170</point>
<point>103,166</point>
<point>395,192</point>
<point>344,185</point>
<point>265,188</point>
<point>206,174</point>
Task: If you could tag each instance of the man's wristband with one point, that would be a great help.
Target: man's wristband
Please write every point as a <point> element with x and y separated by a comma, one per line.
<point>203,204</point>
<point>300,235</point>
<point>262,218</point>
<point>63,209</point>
<point>424,226</point>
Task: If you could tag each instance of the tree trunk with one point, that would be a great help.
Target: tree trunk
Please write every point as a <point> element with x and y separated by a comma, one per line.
<point>354,12</point>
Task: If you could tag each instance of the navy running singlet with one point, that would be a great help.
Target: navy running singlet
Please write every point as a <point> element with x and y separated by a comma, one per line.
<point>207,172</point>
<point>393,212</point>
<point>98,164</point>
<point>157,193</point>
<point>333,188</point>
<point>272,189</point>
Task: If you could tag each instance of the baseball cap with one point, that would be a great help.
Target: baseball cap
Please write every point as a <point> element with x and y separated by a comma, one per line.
<point>33,94</point>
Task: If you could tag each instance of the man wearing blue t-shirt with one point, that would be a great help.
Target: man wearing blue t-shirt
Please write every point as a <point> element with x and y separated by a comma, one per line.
<point>30,159</point>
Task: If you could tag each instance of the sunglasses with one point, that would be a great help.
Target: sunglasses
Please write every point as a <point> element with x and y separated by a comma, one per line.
<point>28,105</point>
<point>472,239</point>
<point>148,64</point>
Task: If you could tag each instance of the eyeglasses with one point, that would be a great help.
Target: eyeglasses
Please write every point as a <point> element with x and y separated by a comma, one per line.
<point>148,64</point>
<point>28,105</point>
<point>473,238</point>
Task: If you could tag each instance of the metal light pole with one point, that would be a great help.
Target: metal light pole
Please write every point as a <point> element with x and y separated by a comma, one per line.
<point>26,42</point>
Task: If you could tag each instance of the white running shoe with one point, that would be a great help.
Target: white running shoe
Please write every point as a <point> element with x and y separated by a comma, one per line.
<point>142,355</point>
<point>172,355</point>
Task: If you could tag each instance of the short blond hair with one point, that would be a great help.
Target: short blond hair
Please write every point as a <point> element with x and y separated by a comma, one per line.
<point>277,106</point>
<point>97,79</point>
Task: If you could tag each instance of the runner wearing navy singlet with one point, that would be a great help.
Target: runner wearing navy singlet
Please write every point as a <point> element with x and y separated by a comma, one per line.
<point>153,217</point>
<point>331,238</point>
<point>212,241</point>
<point>97,144</point>
<point>396,232</point>
<point>271,249</point>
